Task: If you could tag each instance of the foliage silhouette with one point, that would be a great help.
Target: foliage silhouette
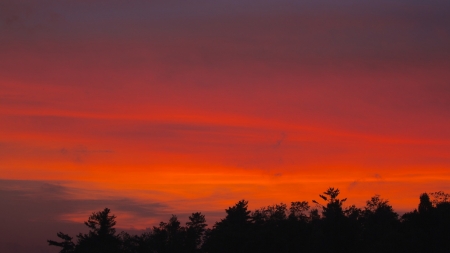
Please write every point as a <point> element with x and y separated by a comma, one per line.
<point>67,245</point>
<point>195,229</point>
<point>328,227</point>
<point>231,233</point>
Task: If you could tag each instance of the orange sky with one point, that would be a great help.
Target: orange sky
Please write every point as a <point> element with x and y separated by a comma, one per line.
<point>177,108</point>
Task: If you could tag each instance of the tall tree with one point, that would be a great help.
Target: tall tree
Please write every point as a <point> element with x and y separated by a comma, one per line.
<point>333,208</point>
<point>334,227</point>
<point>176,235</point>
<point>238,214</point>
<point>380,226</point>
<point>425,204</point>
<point>195,230</point>
<point>102,236</point>
<point>230,234</point>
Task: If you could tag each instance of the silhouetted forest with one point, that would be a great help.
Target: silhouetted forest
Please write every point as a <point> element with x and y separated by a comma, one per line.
<point>326,227</point>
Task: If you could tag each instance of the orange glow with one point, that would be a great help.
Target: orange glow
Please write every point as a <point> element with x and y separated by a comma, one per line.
<point>258,107</point>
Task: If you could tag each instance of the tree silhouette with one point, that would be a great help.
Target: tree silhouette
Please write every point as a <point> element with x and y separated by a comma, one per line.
<point>334,228</point>
<point>102,236</point>
<point>238,214</point>
<point>298,209</point>
<point>427,230</point>
<point>67,245</point>
<point>425,205</point>
<point>376,227</point>
<point>175,235</point>
<point>440,197</point>
<point>100,239</point>
<point>230,234</point>
<point>380,226</point>
<point>195,230</point>
<point>333,208</point>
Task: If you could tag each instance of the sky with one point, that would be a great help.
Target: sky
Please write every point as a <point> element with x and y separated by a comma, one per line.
<point>153,108</point>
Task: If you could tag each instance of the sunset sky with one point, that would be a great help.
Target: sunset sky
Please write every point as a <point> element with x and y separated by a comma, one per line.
<point>162,107</point>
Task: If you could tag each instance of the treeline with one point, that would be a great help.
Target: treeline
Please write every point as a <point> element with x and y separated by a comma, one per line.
<point>327,227</point>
